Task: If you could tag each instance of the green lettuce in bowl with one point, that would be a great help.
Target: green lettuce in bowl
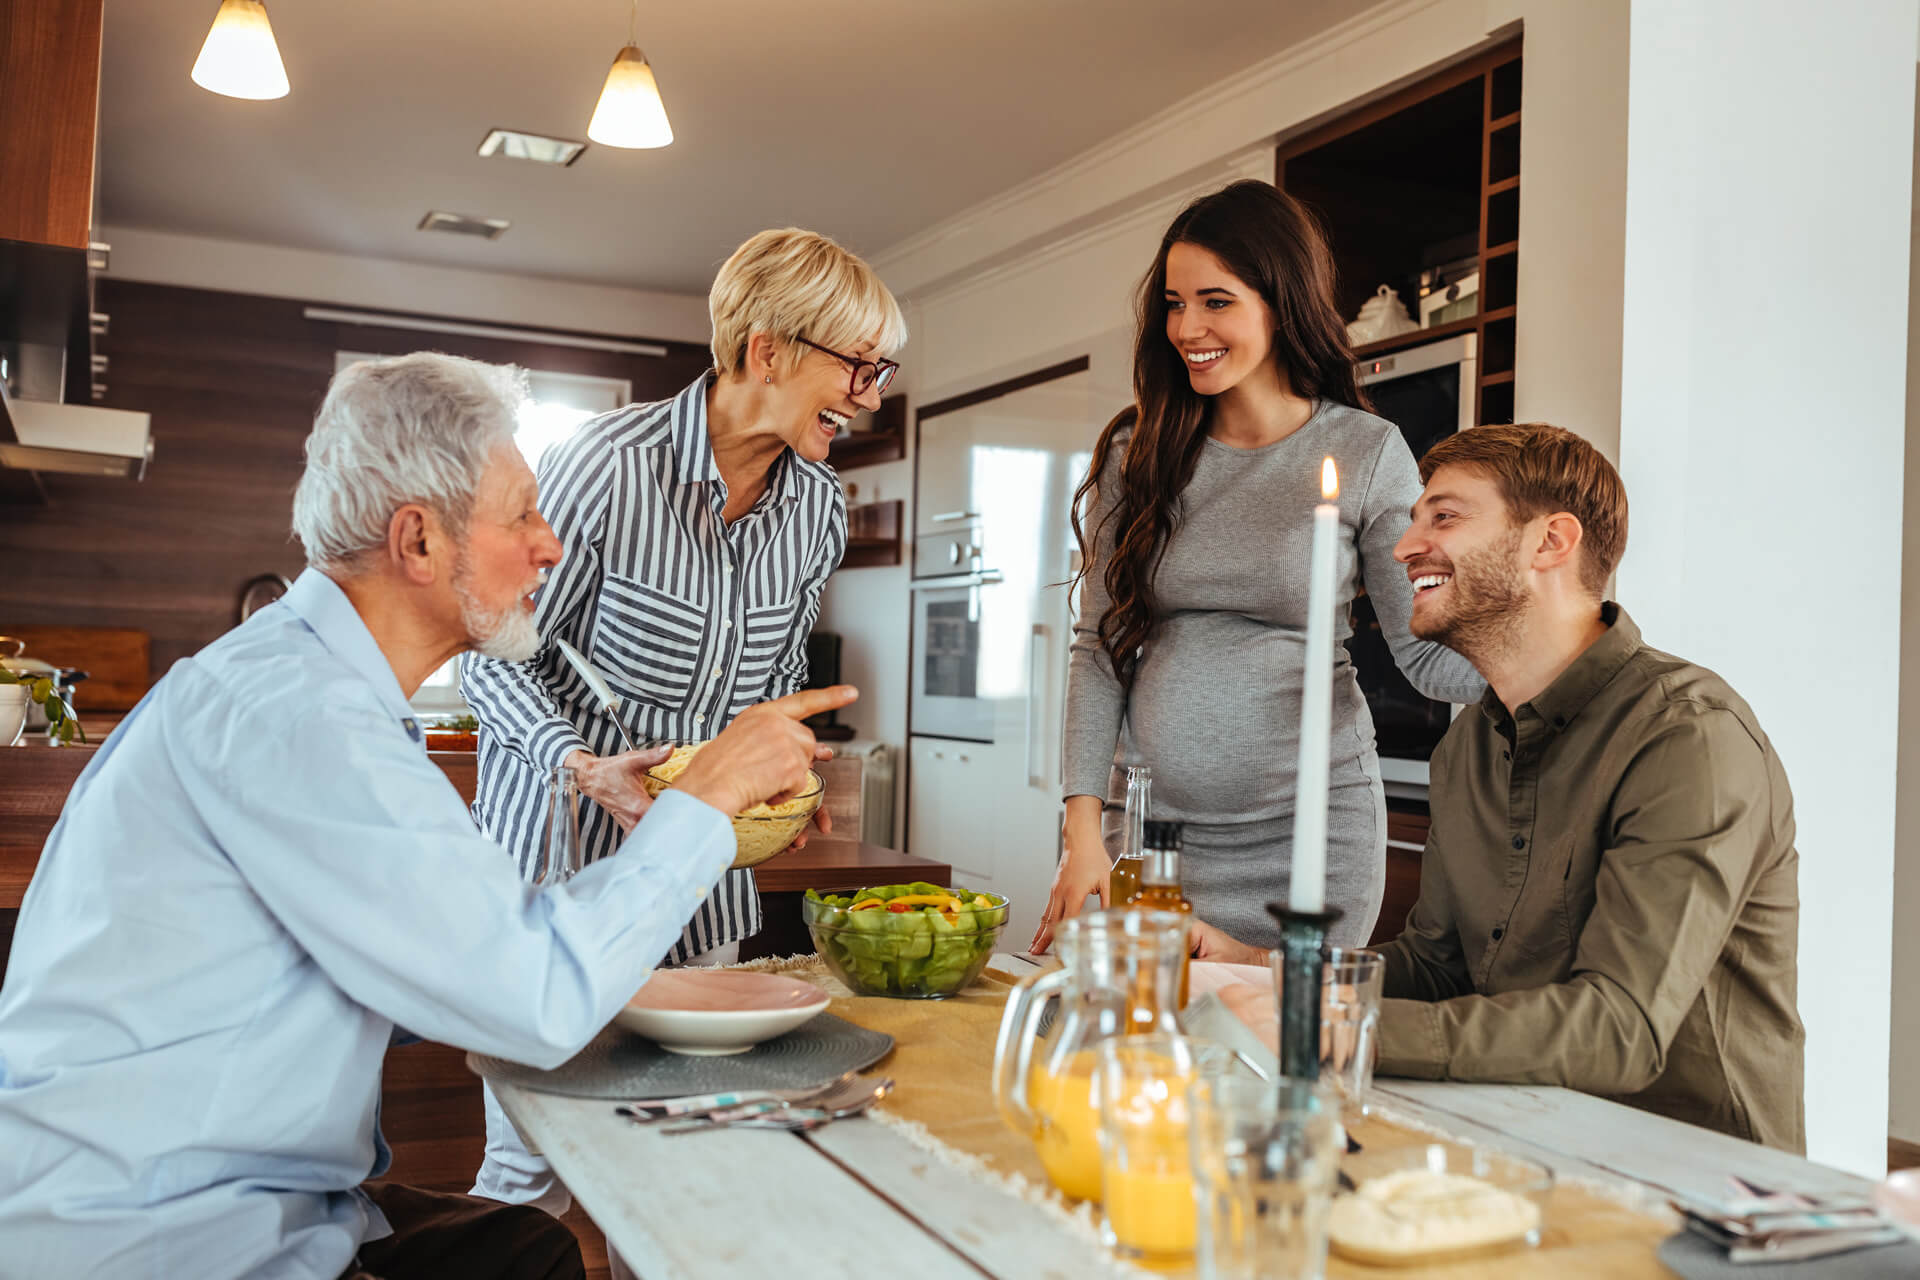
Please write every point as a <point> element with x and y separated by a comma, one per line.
<point>916,941</point>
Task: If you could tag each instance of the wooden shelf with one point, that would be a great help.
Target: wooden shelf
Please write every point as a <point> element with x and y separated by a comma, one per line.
<point>1415,337</point>
<point>1496,379</point>
<point>887,442</point>
<point>1504,122</point>
<point>874,535</point>
<point>1505,184</point>
<point>1501,250</point>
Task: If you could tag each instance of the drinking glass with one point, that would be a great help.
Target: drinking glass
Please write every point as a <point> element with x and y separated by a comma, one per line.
<point>1146,1178</point>
<point>1263,1157</point>
<point>1350,980</point>
<point>560,857</point>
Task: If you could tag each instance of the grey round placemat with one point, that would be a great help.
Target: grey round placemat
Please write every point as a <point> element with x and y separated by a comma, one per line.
<point>1698,1259</point>
<point>620,1064</point>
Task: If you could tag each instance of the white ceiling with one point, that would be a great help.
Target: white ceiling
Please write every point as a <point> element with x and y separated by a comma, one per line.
<point>868,121</point>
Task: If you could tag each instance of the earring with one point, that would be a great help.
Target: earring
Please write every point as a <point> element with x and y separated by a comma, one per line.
<point>769,379</point>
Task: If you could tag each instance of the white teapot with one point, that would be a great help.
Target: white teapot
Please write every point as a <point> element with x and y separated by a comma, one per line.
<point>1384,316</point>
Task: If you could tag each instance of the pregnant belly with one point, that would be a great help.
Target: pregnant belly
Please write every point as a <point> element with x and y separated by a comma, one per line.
<point>1215,712</point>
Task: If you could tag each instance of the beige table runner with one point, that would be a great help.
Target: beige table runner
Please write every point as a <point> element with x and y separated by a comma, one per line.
<point>943,1063</point>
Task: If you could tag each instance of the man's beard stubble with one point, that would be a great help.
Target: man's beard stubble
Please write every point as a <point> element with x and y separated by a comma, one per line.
<point>1483,620</point>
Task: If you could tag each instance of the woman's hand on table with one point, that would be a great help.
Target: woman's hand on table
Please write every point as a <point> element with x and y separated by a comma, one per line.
<point>1210,943</point>
<point>1083,871</point>
<point>616,783</point>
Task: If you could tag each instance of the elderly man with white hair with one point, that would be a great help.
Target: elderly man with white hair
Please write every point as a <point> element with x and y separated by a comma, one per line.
<point>261,876</point>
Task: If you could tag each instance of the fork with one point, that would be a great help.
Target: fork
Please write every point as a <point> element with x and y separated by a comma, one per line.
<point>851,1099</point>
<point>655,1110</point>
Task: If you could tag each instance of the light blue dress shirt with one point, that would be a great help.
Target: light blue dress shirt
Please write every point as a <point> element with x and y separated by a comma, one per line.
<point>259,876</point>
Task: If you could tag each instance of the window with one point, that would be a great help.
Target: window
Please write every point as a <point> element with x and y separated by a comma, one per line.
<point>557,404</point>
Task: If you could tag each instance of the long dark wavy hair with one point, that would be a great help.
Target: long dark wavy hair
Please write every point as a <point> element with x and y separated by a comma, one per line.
<point>1272,244</point>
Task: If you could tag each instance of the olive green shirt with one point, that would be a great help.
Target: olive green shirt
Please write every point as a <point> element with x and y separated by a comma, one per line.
<point>1608,900</point>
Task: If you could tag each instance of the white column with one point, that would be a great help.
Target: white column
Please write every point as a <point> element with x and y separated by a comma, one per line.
<point>1763,404</point>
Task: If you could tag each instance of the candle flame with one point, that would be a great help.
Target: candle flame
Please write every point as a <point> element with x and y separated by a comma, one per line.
<point>1329,481</point>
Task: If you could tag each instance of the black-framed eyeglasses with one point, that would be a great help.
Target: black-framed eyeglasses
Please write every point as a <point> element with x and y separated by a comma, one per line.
<point>865,373</point>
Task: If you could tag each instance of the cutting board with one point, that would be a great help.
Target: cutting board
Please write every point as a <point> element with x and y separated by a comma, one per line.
<point>114,658</point>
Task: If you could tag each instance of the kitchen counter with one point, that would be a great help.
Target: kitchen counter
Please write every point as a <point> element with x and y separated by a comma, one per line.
<point>38,777</point>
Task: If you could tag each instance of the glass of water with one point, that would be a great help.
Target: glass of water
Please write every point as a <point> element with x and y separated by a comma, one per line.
<point>1264,1156</point>
<point>1350,981</point>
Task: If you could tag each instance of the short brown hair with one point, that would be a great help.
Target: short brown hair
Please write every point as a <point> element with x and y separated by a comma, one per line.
<point>1540,470</point>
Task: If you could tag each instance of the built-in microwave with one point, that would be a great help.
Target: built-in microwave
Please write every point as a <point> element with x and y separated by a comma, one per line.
<point>1426,391</point>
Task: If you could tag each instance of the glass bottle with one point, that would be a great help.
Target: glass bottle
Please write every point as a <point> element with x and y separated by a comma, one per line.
<point>1160,882</point>
<point>560,856</point>
<point>1126,868</point>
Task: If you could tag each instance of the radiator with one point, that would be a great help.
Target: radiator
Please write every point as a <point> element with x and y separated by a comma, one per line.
<point>876,788</point>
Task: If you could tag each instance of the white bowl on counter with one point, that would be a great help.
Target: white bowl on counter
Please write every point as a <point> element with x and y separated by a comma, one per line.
<point>14,704</point>
<point>708,1012</point>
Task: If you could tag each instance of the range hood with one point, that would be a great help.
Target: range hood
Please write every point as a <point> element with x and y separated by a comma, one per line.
<point>48,368</point>
<point>76,439</point>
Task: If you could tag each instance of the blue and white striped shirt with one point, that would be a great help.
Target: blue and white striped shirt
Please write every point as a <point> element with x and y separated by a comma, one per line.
<point>690,620</point>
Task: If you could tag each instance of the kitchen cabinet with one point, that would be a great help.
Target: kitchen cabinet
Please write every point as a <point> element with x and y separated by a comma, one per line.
<point>948,798</point>
<point>49,98</point>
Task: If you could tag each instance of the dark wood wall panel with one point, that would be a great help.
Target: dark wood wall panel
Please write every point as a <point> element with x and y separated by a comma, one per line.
<point>232,381</point>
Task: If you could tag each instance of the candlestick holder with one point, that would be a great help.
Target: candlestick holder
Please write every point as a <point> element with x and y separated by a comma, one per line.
<point>1303,941</point>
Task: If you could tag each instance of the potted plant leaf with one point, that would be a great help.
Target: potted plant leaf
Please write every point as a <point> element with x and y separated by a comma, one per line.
<point>25,683</point>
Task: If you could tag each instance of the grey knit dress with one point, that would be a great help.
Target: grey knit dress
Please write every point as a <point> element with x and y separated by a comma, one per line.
<point>1215,705</point>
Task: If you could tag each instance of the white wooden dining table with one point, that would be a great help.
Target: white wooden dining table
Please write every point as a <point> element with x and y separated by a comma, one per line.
<point>858,1198</point>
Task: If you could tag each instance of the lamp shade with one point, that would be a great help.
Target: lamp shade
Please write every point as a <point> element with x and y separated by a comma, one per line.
<point>240,58</point>
<point>630,113</point>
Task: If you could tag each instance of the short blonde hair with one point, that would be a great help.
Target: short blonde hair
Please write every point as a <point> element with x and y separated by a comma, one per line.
<point>796,284</point>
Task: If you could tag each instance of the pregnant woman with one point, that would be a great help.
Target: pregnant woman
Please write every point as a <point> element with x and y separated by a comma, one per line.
<point>1194,524</point>
<point>697,535</point>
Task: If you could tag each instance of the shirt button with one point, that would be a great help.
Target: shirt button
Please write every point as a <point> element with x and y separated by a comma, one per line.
<point>727,625</point>
<point>718,670</point>
<point>1499,934</point>
<point>1519,842</point>
<point>701,718</point>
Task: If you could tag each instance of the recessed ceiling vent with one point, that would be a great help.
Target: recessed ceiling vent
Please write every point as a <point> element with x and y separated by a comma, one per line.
<point>531,146</point>
<point>464,224</point>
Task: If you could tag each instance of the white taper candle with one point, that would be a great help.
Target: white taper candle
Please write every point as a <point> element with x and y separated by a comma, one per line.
<point>1307,887</point>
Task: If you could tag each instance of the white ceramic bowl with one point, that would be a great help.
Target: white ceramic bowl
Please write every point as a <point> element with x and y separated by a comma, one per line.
<point>718,1011</point>
<point>13,712</point>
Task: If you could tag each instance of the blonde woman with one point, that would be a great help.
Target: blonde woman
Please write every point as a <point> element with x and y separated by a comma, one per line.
<point>698,533</point>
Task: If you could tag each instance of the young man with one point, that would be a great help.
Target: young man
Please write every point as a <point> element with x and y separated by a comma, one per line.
<point>1608,899</point>
<point>261,876</point>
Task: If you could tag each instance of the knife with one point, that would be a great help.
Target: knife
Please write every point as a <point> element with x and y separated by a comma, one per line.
<point>598,684</point>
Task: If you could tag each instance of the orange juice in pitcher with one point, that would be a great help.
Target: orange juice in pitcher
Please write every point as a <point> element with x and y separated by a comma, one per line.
<point>1119,974</point>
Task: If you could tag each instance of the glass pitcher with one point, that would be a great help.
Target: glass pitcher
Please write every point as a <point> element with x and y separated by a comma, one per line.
<point>560,857</point>
<point>1119,974</point>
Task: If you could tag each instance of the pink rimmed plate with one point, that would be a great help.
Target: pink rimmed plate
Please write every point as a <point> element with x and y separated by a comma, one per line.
<point>718,1011</point>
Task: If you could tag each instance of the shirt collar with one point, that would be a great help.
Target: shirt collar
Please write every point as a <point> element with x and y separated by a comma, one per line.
<point>324,607</point>
<point>1586,676</point>
<point>693,448</point>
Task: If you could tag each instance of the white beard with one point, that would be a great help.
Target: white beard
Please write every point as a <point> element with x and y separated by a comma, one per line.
<point>509,634</point>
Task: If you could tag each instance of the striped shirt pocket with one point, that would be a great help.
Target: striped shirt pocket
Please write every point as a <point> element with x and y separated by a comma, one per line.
<point>767,631</point>
<point>648,642</point>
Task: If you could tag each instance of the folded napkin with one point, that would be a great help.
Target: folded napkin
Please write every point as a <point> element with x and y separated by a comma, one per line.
<point>1694,1257</point>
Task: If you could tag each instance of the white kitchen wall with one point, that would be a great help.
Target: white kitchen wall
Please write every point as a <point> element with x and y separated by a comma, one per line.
<point>1903,1111</point>
<point>1763,425</point>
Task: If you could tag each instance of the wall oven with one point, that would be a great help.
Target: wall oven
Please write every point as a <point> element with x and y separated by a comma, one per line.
<point>1426,391</point>
<point>948,696</point>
